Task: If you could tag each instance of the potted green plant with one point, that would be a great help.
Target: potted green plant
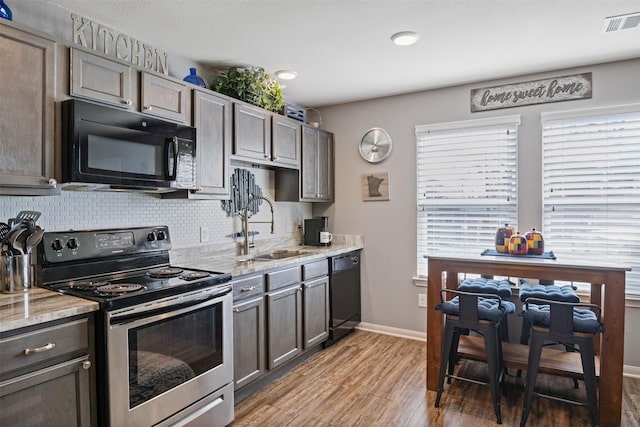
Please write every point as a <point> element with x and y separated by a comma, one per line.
<point>252,85</point>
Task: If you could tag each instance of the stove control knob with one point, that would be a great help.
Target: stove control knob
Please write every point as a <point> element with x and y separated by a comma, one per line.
<point>57,245</point>
<point>72,243</point>
<point>161,235</point>
<point>151,236</point>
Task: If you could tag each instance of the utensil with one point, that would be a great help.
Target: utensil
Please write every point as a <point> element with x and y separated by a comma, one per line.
<point>15,244</point>
<point>34,215</point>
<point>4,231</point>
<point>33,239</point>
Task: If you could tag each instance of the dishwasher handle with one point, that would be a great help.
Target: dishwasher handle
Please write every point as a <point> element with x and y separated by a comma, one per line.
<point>345,261</point>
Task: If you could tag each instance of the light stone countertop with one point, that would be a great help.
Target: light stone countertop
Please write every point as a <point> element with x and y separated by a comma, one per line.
<point>39,305</point>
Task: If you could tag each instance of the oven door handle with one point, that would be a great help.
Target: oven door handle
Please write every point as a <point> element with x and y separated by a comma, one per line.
<point>145,314</point>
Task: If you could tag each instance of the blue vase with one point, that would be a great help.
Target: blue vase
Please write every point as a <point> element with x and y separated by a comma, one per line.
<point>193,77</point>
<point>5,12</point>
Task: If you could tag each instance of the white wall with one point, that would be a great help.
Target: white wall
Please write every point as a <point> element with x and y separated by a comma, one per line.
<point>389,228</point>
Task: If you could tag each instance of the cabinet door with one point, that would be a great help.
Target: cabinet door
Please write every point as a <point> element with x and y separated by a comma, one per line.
<point>325,165</point>
<point>248,342</point>
<point>101,79</point>
<point>309,171</point>
<point>212,120</point>
<point>251,132</point>
<point>285,143</point>
<point>284,325</point>
<point>316,311</point>
<point>55,396</point>
<point>164,97</point>
<point>27,125</point>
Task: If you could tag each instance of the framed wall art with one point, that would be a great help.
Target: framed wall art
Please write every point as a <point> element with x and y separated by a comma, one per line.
<point>375,186</point>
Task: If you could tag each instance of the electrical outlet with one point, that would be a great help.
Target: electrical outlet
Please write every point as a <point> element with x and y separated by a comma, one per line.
<point>204,234</point>
<point>422,300</point>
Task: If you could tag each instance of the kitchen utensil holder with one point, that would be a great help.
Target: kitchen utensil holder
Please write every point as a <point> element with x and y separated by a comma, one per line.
<point>16,274</point>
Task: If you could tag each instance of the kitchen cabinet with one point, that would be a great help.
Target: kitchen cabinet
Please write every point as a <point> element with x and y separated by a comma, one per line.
<point>251,133</point>
<point>285,141</point>
<point>315,180</point>
<point>260,136</point>
<point>46,375</point>
<point>116,83</point>
<point>212,120</point>
<point>284,325</point>
<point>248,330</point>
<point>315,300</point>
<point>27,127</point>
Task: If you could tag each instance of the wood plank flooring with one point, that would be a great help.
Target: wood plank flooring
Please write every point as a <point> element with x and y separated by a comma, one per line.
<point>370,379</point>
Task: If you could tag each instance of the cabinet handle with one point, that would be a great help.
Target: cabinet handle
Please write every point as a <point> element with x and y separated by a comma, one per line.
<point>127,102</point>
<point>86,364</point>
<point>276,158</point>
<point>236,310</point>
<point>53,182</point>
<point>49,346</point>
<point>248,289</point>
<point>266,156</point>
<point>147,107</point>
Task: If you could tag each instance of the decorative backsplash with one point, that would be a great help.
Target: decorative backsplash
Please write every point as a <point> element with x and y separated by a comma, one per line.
<point>185,218</point>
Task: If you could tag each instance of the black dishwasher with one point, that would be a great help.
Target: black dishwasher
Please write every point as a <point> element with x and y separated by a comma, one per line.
<point>344,295</point>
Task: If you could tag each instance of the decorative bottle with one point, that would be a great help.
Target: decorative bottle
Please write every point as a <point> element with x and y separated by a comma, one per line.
<point>518,244</point>
<point>193,77</point>
<point>535,242</point>
<point>502,239</point>
<point>5,12</point>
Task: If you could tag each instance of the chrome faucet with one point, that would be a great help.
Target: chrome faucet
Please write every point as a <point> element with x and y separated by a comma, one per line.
<point>245,220</point>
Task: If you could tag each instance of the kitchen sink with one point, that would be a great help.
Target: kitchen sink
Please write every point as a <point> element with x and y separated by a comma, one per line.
<point>280,254</point>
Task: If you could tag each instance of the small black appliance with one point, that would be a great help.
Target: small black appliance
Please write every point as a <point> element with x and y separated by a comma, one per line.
<point>314,229</point>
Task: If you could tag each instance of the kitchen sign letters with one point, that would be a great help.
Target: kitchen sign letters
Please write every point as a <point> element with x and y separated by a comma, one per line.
<point>88,33</point>
<point>565,88</point>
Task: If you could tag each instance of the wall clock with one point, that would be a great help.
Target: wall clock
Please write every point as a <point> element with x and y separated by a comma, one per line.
<point>375,145</point>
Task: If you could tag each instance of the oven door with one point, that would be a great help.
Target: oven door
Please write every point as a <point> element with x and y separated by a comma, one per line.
<point>168,354</point>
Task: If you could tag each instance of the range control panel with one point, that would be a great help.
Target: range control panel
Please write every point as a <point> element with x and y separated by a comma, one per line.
<point>63,246</point>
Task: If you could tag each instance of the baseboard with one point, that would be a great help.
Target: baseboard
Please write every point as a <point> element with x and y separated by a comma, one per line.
<point>396,332</point>
<point>628,370</point>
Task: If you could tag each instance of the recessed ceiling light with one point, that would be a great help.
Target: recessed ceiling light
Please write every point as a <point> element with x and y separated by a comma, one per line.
<point>405,38</point>
<point>286,74</point>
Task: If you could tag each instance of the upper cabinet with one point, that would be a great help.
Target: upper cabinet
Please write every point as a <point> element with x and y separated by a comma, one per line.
<point>116,83</point>
<point>315,180</point>
<point>27,127</point>
<point>260,136</point>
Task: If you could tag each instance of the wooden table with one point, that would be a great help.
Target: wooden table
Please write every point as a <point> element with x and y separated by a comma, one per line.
<point>607,290</point>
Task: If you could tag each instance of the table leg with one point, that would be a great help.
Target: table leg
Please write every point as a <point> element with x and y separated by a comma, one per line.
<point>434,324</point>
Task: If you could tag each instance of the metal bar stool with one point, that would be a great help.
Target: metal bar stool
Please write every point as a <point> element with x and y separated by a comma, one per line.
<point>571,324</point>
<point>489,285</point>
<point>482,313</point>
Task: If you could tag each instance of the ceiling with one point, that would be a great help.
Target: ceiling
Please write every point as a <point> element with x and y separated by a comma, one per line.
<point>342,51</point>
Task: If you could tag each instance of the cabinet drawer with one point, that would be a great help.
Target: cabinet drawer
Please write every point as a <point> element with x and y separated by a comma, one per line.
<point>282,278</point>
<point>315,269</point>
<point>248,287</point>
<point>43,344</point>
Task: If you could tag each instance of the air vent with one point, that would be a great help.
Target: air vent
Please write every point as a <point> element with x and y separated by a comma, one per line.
<point>621,22</point>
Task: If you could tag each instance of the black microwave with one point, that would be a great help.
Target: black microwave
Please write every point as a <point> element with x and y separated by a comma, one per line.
<point>106,148</point>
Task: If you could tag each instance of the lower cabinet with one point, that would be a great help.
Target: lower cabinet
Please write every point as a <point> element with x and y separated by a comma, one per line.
<point>316,311</point>
<point>248,341</point>
<point>46,375</point>
<point>284,325</point>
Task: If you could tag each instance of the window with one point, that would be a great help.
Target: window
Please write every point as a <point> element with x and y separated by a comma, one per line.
<point>591,186</point>
<point>466,183</point>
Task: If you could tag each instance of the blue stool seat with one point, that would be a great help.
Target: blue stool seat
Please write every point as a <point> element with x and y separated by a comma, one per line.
<point>502,288</point>
<point>584,321</point>
<point>553,293</point>
<point>490,309</point>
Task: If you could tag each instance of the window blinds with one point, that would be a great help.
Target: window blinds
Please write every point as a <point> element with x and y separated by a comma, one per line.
<point>591,187</point>
<point>466,184</point>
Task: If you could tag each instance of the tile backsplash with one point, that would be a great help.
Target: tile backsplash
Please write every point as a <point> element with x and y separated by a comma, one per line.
<point>188,220</point>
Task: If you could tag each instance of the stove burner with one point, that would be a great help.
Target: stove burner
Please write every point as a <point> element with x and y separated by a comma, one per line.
<point>88,285</point>
<point>165,272</point>
<point>195,275</point>
<point>119,288</point>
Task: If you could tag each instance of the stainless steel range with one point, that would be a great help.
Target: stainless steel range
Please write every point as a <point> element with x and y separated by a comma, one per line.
<point>164,334</point>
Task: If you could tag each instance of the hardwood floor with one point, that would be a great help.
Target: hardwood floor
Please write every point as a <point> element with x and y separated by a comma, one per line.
<point>370,379</point>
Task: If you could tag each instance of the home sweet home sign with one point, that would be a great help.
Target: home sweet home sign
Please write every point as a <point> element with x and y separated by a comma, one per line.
<point>93,35</point>
<point>565,88</point>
